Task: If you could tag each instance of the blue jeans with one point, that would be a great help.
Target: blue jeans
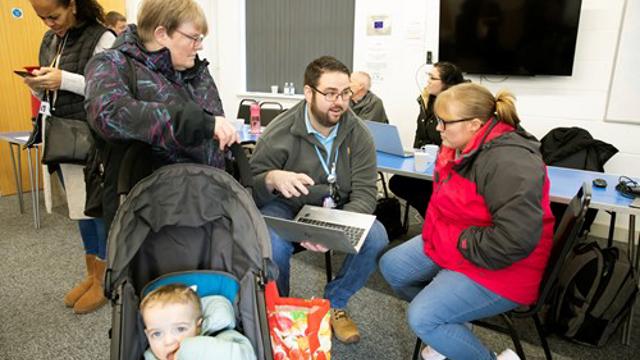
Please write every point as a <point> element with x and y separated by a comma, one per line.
<point>441,301</point>
<point>355,269</point>
<point>92,231</point>
<point>94,237</point>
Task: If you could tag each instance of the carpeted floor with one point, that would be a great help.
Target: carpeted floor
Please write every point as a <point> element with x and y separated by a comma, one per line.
<point>38,266</point>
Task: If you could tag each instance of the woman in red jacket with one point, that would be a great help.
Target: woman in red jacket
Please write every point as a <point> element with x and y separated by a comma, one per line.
<point>488,229</point>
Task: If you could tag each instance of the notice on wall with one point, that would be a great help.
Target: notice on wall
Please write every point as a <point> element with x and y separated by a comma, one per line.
<point>415,31</point>
<point>379,25</point>
<point>377,58</point>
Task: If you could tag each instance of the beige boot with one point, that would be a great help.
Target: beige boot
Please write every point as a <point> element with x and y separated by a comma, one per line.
<point>344,328</point>
<point>74,294</point>
<point>94,298</point>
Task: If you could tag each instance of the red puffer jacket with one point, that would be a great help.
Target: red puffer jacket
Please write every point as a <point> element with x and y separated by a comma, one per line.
<point>489,216</point>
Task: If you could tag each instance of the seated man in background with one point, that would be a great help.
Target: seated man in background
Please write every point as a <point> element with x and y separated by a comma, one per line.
<point>115,22</point>
<point>363,102</point>
<point>318,153</point>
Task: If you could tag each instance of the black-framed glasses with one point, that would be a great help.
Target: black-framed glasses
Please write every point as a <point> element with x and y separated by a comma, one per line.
<point>332,96</point>
<point>197,39</point>
<point>448,122</point>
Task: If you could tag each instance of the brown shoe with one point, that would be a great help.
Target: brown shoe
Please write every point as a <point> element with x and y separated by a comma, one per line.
<point>74,294</point>
<point>94,298</point>
<point>344,328</point>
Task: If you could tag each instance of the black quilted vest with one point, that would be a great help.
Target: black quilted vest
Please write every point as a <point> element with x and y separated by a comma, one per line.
<point>78,49</point>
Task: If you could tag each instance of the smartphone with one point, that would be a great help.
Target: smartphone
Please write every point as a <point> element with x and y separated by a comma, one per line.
<point>23,73</point>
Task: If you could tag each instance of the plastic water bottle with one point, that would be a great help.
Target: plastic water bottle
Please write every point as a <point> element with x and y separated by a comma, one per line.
<point>292,89</point>
<point>255,118</point>
<point>286,88</point>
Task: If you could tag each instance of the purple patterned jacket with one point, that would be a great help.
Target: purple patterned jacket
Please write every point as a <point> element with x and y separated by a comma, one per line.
<point>173,111</point>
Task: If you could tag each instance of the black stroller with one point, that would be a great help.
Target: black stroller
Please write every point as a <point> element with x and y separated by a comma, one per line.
<point>182,218</point>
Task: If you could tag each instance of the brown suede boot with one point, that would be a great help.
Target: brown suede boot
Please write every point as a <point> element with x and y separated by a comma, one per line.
<point>74,294</point>
<point>94,298</point>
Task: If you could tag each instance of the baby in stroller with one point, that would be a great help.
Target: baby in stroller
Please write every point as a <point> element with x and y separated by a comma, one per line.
<point>194,225</point>
<point>173,321</point>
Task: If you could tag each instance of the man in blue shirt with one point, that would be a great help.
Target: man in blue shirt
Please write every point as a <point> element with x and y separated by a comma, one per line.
<point>319,153</point>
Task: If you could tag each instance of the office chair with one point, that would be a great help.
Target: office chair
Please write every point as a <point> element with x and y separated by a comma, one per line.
<point>269,110</point>
<point>244,110</point>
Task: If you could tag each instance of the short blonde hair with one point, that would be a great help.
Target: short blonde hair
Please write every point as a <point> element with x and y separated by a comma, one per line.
<point>468,100</point>
<point>169,14</point>
<point>172,294</point>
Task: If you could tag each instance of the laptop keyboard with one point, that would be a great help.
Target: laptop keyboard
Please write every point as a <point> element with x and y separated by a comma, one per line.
<point>352,233</point>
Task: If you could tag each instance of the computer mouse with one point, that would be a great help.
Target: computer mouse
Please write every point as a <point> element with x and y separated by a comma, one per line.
<point>600,182</point>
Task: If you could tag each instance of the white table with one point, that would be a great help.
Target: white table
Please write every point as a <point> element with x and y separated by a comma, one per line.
<point>16,140</point>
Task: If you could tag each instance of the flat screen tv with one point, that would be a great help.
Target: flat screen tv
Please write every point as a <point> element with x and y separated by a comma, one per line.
<point>509,37</point>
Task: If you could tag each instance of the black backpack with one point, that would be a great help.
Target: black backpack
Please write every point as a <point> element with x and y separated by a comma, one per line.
<point>596,290</point>
<point>388,213</point>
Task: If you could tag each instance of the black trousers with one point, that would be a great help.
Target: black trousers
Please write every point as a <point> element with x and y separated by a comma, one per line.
<point>416,192</point>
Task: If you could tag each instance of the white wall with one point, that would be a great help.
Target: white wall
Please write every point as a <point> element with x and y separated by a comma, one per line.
<point>544,102</point>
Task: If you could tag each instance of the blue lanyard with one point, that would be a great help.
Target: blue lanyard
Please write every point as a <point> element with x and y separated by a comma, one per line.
<point>331,175</point>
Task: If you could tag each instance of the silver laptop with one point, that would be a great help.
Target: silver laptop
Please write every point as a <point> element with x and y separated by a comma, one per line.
<point>387,139</point>
<point>339,230</point>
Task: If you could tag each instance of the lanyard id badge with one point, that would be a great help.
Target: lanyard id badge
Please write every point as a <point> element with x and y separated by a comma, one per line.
<point>331,200</point>
<point>45,108</point>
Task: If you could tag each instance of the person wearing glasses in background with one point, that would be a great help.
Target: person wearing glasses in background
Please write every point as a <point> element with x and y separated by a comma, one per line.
<point>175,106</point>
<point>488,230</point>
<point>417,192</point>
<point>319,153</point>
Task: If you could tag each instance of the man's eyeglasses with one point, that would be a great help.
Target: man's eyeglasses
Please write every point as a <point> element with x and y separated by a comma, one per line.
<point>197,39</point>
<point>332,96</point>
<point>448,122</point>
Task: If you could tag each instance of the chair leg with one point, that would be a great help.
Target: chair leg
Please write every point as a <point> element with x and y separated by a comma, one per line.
<point>514,336</point>
<point>405,222</point>
<point>384,184</point>
<point>327,265</point>
<point>416,350</point>
<point>543,338</point>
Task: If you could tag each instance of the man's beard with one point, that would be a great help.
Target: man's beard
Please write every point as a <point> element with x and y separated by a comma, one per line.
<point>323,118</point>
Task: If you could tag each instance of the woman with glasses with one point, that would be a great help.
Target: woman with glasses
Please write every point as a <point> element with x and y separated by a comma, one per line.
<point>488,230</point>
<point>173,106</point>
<point>417,192</point>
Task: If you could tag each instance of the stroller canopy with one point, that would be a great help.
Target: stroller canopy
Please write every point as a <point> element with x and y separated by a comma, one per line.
<point>184,217</point>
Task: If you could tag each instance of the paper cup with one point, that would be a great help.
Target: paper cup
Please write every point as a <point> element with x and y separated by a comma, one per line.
<point>274,89</point>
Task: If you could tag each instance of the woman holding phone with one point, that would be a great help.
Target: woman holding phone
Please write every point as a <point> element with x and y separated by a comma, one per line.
<point>75,34</point>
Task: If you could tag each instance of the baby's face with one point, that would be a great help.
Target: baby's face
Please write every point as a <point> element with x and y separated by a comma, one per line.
<point>167,325</point>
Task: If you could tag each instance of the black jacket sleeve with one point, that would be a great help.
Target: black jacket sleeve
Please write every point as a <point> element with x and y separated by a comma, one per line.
<point>511,180</point>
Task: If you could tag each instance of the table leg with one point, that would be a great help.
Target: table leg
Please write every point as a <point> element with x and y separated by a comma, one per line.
<point>37,188</point>
<point>17,174</point>
<point>632,251</point>
<point>33,194</point>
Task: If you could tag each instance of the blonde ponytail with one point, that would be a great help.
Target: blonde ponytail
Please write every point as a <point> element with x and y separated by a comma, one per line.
<point>506,108</point>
